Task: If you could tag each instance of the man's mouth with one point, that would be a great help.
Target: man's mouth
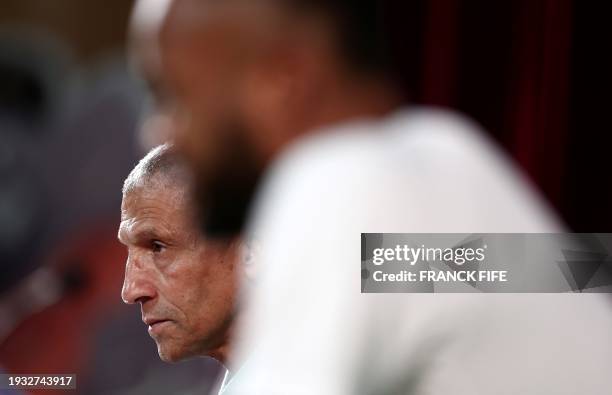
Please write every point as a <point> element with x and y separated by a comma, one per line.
<point>156,324</point>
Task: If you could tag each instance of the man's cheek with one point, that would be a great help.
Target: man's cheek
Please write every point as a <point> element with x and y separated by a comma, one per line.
<point>173,337</point>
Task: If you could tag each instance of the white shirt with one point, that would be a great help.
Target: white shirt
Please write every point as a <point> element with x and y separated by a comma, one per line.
<point>311,331</point>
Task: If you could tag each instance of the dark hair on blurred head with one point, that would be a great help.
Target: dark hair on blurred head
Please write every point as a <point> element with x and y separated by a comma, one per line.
<point>361,27</point>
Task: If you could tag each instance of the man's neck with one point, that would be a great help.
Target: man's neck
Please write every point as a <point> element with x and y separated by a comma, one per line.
<point>220,354</point>
<point>346,101</point>
<point>354,101</point>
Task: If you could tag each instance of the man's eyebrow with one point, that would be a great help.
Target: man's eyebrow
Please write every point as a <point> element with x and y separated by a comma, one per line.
<point>138,234</point>
<point>150,233</point>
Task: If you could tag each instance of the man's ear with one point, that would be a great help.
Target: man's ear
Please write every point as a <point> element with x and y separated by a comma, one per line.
<point>247,253</point>
<point>267,90</point>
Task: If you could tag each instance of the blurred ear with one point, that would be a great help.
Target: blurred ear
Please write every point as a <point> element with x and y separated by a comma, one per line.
<point>268,86</point>
<point>283,83</point>
<point>248,252</point>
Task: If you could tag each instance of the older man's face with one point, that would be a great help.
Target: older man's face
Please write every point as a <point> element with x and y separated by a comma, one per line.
<point>186,286</point>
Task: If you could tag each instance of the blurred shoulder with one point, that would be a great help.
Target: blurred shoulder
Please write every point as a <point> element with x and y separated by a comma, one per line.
<point>417,169</point>
<point>418,135</point>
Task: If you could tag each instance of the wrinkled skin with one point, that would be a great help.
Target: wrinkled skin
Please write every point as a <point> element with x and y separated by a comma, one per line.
<point>177,276</point>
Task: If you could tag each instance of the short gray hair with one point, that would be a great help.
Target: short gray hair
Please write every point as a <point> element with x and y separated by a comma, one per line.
<point>161,164</point>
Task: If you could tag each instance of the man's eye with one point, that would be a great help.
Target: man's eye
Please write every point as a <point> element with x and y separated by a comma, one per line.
<point>157,246</point>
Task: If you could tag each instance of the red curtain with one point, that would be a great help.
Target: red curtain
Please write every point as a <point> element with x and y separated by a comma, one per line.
<point>518,67</point>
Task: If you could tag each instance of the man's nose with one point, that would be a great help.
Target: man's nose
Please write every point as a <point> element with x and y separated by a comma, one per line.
<point>137,287</point>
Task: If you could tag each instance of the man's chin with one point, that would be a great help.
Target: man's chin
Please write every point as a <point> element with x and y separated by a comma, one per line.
<point>172,354</point>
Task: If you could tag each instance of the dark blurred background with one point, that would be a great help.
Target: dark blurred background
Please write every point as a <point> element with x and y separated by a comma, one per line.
<point>69,109</point>
<point>536,75</point>
<point>533,73</point>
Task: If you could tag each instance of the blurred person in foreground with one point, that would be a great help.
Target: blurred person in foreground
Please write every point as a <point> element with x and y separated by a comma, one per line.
<point>186,285</point>
<point>294,101</point>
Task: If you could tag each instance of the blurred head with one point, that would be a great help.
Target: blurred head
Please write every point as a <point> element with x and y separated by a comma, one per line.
<point>241,79</point>
<point>186,285</point>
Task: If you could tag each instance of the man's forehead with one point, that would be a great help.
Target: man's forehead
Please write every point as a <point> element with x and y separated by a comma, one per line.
<point>158,200</point>
<point>154,195</point>
<point>135,207</point>
<point>147,212</point>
